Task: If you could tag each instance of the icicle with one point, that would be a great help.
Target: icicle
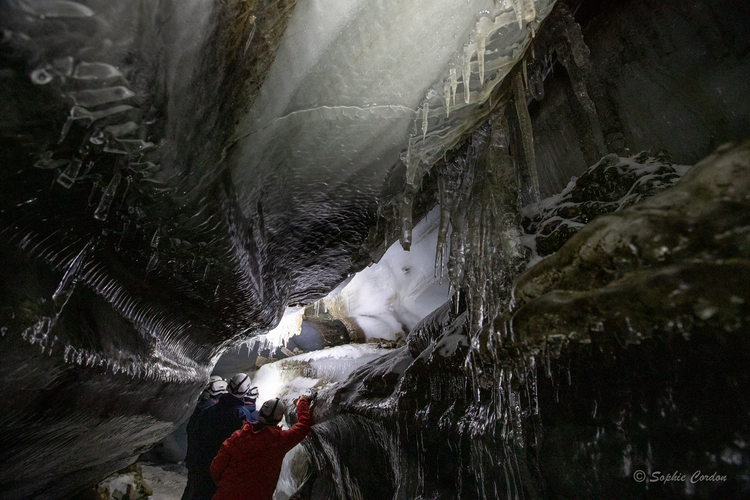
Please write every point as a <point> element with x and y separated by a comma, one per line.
<point>441,252</point>
<point>536,80</point>
<point>447,97</point>
<point>152,262</point>
<point>518,10</point>
<point>411,168</point>
<point>95,71</point>
<point>573,53</point>
<point>481,48</point>
<point>527,132</point>
<point>155,238</point>
<point>467,73</point>
<point>68,281</point>
<point>405,213</point>
<point>69,176</point>
<point>109,194</point>
<point>425,116</point>
<point>454,84</point>
<point>95,97</point>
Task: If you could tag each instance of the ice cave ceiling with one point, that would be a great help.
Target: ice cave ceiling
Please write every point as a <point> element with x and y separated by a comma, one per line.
<point>176,174</point>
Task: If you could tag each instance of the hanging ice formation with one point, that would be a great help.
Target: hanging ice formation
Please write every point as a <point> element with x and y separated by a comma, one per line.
<point>573,54</point>
<point>478,192</point>
<point>527,132</point>
<point>454,85</point>
<point>107,197</point>
<point>479,199</point>
<point>491,51</point>
<point>466,71</point>
<point>524,9</point>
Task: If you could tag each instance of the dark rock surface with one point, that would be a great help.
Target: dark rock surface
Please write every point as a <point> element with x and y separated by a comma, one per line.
<point>662,76</point>
<point>612,361</point>
<point>611,185</point>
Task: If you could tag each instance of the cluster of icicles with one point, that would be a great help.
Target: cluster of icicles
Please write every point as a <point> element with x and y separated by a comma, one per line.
<point>478,192</point>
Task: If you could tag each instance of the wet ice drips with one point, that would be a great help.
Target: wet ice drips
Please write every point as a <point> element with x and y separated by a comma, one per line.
<point>490,52</point>
<point>479,203</point>
<point>527,133</point>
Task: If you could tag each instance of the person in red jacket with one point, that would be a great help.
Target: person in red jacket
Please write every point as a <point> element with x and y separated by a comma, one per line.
<point>248,464</point>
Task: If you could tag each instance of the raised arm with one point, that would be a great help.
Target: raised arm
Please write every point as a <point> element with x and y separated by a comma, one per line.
<point>293,436</point>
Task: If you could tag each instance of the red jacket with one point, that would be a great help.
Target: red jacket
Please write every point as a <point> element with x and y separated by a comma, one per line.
<point>248,464</point>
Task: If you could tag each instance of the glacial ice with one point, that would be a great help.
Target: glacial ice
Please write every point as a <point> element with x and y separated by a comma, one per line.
<point>95,97</point>
<point>49,9</point>
<point>388,298</point>
<point>324,76</point>
<point>95,71</point>
<point>102,210</point>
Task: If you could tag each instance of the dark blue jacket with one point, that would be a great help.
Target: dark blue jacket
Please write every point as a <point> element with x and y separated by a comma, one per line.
<point>251,414</point>
<point>201,405</point>
<point>212,426</point>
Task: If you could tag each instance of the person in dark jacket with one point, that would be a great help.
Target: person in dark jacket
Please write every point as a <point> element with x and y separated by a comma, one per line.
<point>248,464</point>
<point>209,397</point>
<point>250,398</point>
<point>207,391</point>
<point>212,426</point>
<point>240,388</point>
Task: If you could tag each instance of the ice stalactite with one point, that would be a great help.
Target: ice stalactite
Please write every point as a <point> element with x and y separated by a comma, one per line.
<point>405,213</point>
<point>425,119</point>
<point>107,197</point>
<point>479,200</point>
<point>68,282</point>
<point>454,84</point>
<point>574,55</point>
<point>70,174</point>
<point>467,73</point>
<point>447,97</point>
<point>454,184</point>
<point>524,10</point>
<point>483,29</point>
<point>527,132</point>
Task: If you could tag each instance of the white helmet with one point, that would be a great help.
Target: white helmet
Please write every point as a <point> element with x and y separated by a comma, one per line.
<point>271,411</point>
<point>239,385</point>
<point>252,393</point>
<point>217,387</point>
<point>214,378</point>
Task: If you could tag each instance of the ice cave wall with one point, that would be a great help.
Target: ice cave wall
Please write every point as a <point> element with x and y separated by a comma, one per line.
<point>119,288</point>
<point>662,75</point>
<point>623,351</point>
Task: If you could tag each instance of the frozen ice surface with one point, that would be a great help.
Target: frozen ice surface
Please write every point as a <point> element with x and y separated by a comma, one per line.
<point>342,102</point>
<point>390,297</point>
<point>292,377</point>
<point>48,9</point>
<point>95,97</point>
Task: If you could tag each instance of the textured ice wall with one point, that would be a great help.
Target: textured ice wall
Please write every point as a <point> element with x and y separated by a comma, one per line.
<point>359,86</point>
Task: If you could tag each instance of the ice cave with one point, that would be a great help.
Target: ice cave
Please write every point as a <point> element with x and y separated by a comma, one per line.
<point>506,243</point>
